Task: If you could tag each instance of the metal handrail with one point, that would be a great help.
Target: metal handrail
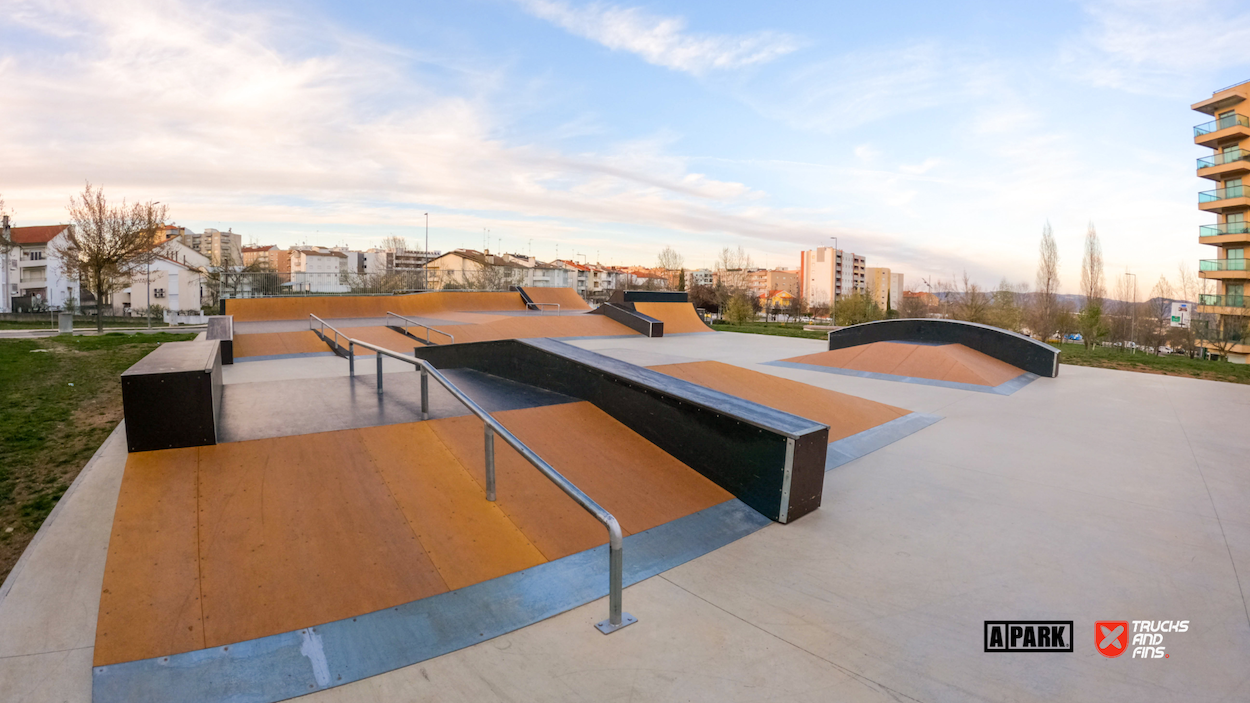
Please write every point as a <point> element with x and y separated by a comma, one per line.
<point>616,617</point>
<point>540,306</point>
<point>324,326</point>
<point>428,329</point>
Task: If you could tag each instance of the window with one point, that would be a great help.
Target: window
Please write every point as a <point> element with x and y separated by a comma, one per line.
<point>35,255</point>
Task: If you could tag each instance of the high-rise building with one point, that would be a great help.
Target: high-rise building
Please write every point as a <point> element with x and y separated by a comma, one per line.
<point>826,273</point>
<point>221,248</point>
<point>1228,136</point>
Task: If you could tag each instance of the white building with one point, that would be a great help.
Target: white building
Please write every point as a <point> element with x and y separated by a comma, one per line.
<point>35,277</point>
<point>826,273</point>
<point>318,270</point>
<point>700,277</point>
<point>174,281</point>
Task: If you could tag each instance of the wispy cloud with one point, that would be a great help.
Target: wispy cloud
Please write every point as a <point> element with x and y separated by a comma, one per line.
<point>1155,46</point>
<point>663,41</point>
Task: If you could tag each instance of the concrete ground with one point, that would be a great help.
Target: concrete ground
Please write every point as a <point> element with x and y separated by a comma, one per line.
<point>1099,495</point>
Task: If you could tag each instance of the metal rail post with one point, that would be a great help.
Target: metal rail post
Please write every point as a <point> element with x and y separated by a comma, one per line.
<point>490,463</point>
<point>425,394</point>
<point>379,374</point>
<point>351,359</point>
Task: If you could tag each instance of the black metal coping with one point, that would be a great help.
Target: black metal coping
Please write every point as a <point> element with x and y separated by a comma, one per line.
<point>636,321</point>
<point>524,296</point>
<point>1020,351</point>
<point>771,460</point>
<point>221,329</point>
<point>172,397</point>
<point>649,296</point>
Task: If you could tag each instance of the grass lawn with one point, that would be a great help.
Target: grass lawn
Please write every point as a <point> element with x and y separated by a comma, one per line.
<point>1167,364</point>
<point>780,329</point>
<point>50,428</point>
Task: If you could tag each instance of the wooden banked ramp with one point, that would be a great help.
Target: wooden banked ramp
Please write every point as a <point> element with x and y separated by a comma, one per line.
<point>566,298</point>
<point>845,414</point>
<point>344,306</point>
<point>678,318</point>
<point>951,363</point>
<point>218,544</point>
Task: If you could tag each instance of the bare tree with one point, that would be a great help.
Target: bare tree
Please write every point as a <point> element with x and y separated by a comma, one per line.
<point>969,302</point>
<point>1188,289</point>
<point>1223,333</point>
<point>1045,300</point>
<point>673,265</point>
<point>1006,310</point>
<point>732,265</point>
<point>914,305</point>
<point>393,243</point>
<point>1092,279</point>
<point>1157,320</point>
<point>107,244</point>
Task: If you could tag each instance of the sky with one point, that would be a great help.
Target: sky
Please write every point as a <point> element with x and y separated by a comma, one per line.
<point>932,138</point>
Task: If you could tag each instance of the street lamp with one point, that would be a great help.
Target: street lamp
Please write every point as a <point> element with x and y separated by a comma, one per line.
<point>149,277</point>
<point>1133,313</point>
<point>425,268</point>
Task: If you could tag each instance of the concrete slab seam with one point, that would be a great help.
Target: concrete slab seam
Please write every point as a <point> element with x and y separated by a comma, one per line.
<point>278,667</point>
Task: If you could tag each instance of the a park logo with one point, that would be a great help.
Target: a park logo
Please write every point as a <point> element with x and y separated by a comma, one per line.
<point>1111,637</point>
<point>1028,635</point>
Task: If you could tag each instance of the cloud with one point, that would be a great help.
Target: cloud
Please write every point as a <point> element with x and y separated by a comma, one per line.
<point>920,168</point>
<point>663,41</point>
<point>1157,46</point>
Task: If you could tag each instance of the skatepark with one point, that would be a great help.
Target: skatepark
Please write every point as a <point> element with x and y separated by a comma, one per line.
<point>513,496</point>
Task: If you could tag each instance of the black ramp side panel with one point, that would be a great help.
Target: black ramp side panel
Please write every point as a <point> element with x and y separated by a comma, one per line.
<point>172,397</point>
<point>1018,350</point>
<point>649,296</point>
<point>739,445</point>
<point>221,330</point>
<point>632,319</point>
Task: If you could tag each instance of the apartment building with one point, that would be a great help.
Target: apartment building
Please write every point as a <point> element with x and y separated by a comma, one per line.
<point>763,282</point>
<point>1228,137</point>
<point>267,256</point>
<point>221,248</point>
<point>826,274</point>
<point>34,276</point>
<point>700,277</point>
<point>174,280</point>
<point>884,287</point>
<point>318,270</point>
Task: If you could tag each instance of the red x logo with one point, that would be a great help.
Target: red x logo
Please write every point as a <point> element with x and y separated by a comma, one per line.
<point>1111,637</point>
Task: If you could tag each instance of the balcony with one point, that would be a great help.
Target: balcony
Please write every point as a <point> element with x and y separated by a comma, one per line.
<point>1232,127</point>
<point>1231,304</point>
<point>1223,230</point>
<point>1224,164</point>
<point>1224,199</point>
<point>1222,268</point>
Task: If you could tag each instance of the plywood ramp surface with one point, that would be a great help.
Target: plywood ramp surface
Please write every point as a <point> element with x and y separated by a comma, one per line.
<point>330,307</point>
<point>845,414</point>
<point>273,343</point>
<point>566,298</point>
<point>678,318</point>
<point>954,363</point>
<point>219,544</point>
<point>530,326</point>
<point>641,485</point>
<point>387,338</point>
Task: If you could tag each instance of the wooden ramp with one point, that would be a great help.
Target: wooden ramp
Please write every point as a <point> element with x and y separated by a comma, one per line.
<point>275,343</point>
<point>344,306</point>
<point>566,298</point>
<point>678,318</point>
<point>952,363</point>
<point>215,545</point>
<point>845,414</point>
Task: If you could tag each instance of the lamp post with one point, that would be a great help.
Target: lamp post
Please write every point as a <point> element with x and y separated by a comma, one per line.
<point>1133,313</point>
<point>149,277</point>
<point>833,295</point>
<point>425,268</point>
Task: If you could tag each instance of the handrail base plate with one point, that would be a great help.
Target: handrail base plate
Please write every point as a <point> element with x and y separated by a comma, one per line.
<point>607,628</point>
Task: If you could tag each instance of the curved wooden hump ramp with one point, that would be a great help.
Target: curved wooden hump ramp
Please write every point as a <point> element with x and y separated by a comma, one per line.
<point>672,308</point>
<point>282,566</point>
<point>566,298</point>
<point>857,426</point>
<point>945,365</point>
<point>1017,350</point>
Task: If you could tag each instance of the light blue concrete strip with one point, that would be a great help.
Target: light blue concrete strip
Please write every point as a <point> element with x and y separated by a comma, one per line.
<point>1005,388</point>
<point>851,448</point>
<point>270,357</point>
<point>283,666</point>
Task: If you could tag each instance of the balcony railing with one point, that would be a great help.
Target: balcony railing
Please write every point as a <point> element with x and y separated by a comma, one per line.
<point>1208,196</point>
<point>1223,301</point>
<point>1222,123</point>
<point>1226,157</point>
<point>1222,265</point>
<point>1226,228</point>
